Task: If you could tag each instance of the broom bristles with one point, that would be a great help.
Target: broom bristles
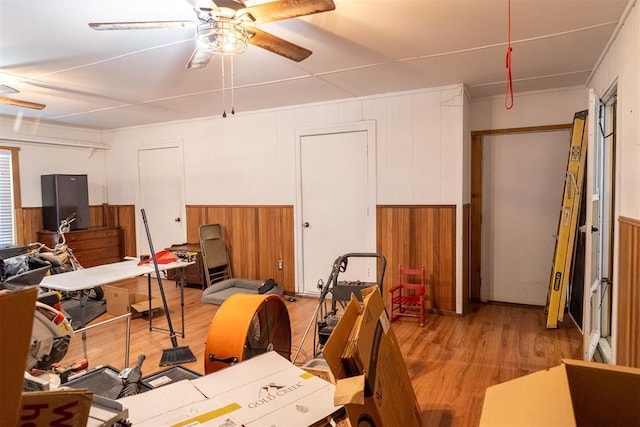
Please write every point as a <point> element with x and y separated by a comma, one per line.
<point>176,356</point>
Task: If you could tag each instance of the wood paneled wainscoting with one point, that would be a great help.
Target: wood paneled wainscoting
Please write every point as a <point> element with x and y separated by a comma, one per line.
<point>257,238</point>
<point>104,215</point>
<point>421,235</point>
<point>260,236</point>
<point>628,335</point>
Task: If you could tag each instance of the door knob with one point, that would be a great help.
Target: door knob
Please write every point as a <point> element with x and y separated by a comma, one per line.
<point>305,224</point>
<point>177,219</point>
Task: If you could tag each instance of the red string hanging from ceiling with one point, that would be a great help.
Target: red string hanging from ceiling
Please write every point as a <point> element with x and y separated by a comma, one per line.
<point>508,98</point>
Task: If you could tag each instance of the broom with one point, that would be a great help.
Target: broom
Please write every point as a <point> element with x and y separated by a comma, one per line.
<point>175,355</point>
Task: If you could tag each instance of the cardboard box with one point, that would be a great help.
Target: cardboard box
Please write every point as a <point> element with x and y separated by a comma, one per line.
<point>16,321</point>
<point>266,390</point>
<point>372,380</point>
<point>122,300</point>
<point>55,408</point>
<point>575,393</point>
<point>319,368</point>
<point>30,408</point>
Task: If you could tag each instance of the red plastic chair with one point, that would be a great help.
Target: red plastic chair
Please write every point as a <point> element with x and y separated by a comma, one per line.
<point>408,295</point>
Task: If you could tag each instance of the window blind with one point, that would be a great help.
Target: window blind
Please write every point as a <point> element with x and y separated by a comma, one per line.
<point>6,199</point>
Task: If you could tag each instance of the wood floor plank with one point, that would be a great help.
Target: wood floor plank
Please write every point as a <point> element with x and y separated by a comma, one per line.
<point>451,360</point>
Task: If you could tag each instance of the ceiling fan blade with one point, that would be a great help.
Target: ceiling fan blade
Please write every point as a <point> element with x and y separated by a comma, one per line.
<point>150,25</point>
<point>202,4</point>
<point>285,9</point>
<point>200,58</point>
<point>277,45</point>
<point>18,103</point>
<point>7,89</point>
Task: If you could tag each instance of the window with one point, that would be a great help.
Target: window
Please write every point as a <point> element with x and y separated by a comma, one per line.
<point>606,171</point>
<point>9,199</point>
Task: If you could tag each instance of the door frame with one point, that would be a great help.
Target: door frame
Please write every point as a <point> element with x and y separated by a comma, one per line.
<point>368,126</point>
<point>141,237</point>
<point>475,240</point>
<point>599,327</point>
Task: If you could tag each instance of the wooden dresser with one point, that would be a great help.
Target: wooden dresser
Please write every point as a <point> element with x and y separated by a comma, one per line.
<point>93,246</point>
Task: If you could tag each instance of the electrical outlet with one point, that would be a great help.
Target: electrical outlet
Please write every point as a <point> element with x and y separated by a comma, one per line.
<point>280,264</point>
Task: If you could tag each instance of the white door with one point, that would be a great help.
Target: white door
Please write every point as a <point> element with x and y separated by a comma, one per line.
<point>160,174</point>
<point>523,184</point>
<point>336,206</point>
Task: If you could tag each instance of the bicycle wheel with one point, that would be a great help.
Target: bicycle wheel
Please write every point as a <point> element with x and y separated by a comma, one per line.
<point>95,294</point>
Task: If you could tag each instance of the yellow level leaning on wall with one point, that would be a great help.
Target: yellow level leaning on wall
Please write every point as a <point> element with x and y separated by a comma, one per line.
<point>567,224</point>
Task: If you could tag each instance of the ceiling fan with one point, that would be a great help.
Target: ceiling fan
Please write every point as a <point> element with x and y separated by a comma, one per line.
<point>4,89</point>
<point>226,26</point>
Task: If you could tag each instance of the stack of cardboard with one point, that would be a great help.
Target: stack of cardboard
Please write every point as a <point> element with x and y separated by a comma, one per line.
<point>372,380</point>
<point>65,407</point>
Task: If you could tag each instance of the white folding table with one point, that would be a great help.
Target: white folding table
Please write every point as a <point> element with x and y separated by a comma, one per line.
<point>88,278</point>
<point>91,277</point>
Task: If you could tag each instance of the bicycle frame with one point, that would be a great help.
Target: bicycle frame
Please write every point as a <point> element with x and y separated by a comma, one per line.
<point>61,256</point>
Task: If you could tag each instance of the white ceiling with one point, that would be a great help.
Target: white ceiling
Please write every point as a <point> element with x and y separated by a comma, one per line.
<point>113,79</point>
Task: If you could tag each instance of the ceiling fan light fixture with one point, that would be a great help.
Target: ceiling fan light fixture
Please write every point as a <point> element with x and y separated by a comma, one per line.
<point>222,36</point>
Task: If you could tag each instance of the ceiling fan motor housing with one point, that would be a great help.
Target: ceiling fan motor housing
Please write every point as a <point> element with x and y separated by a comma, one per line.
<point>222,35</point>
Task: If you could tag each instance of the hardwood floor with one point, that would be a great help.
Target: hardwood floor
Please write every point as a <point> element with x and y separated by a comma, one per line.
<point>451,360</point>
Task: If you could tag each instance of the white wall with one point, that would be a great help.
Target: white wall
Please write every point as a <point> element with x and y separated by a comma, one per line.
<point>621,64</point>
<point>422,148</point>
<point>538,108</point>
<point>34,130</point>
<point>422,153</point>
<point>523,183</point>
<point>36,160</point>
<point>250,158</point>
<point>46,149</point>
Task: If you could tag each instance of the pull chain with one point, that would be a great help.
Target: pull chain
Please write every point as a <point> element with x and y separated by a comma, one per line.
<point>224,103</point>
<point>232,93</point>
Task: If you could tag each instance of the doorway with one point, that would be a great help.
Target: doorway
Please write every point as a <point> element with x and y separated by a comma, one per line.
<point>480,255</point>
<point>161,195</point>
<point>336,205</point>
<point>523,177</point>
